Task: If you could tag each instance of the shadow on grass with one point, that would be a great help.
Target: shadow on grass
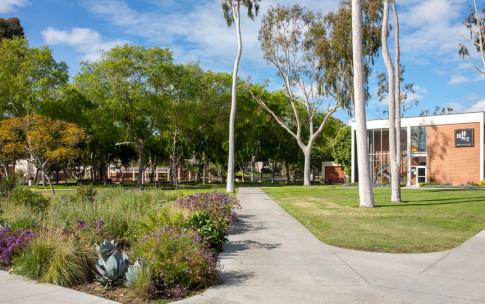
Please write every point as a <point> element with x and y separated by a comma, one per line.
<point>414,203</point>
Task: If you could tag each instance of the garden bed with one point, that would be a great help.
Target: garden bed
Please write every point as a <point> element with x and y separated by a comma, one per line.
<point>128,246</point>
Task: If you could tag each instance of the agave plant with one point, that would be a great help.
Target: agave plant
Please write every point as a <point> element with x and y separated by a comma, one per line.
<point>106,249</point>
<point>132,273</point>
<point>112,264</point>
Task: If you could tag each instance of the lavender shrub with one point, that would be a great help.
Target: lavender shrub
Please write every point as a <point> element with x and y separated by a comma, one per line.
<point>12,241</point>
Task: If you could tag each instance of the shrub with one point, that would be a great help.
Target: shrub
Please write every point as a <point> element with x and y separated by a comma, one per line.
<point>212,232</point>
<point>86,193</point>
<point>23,196</point>
<point>219,206</point>
<point>23,222</point>
<point>7,184</point>
<point>141,285</point>
<point>482,183</point>
<point>12,241</point>
<point>55,258</point>
<point>177,258</point>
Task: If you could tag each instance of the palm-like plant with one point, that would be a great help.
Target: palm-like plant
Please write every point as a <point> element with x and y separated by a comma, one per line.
<point>232,14</point>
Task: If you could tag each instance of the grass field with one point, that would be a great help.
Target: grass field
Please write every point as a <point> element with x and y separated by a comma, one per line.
<point>427,220</point>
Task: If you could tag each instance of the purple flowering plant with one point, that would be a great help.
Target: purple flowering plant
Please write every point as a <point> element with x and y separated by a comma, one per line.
<point>12,242</point>
<point>220,206</point>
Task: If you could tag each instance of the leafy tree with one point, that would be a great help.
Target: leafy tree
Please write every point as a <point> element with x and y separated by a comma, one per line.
<point>232,14</point>
<point>45,140</point>
<point>288,47</point>
<point>342,153</point>
<point>10,28</point>
<point>28,77</point>
<point>130,83</point>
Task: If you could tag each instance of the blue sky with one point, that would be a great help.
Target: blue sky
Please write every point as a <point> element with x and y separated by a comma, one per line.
<point>195,30</point>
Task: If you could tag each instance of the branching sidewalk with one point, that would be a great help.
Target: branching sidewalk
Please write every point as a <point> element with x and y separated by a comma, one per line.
<point>272,258</point>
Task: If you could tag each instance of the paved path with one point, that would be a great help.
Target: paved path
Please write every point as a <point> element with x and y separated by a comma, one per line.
<point>16,289</point>
<point>272,258</point>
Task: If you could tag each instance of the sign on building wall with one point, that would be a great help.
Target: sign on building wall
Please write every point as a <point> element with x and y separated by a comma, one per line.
<point>464,138</point>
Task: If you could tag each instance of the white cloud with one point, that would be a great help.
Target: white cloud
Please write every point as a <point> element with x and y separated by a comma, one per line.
<point>84,40</point>
<point>478,106</point>
<point>432,27</point>
<point>458,79</point>
<point>6,6</point>
<point>195,33</point>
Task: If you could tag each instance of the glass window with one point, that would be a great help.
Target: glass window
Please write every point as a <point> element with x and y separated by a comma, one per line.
<point>418,161</point>
<point>418,139</point>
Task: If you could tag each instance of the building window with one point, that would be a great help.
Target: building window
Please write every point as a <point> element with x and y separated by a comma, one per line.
<point>418,139</point>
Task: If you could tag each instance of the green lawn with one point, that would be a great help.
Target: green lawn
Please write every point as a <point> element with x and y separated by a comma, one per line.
<point>427,220</point>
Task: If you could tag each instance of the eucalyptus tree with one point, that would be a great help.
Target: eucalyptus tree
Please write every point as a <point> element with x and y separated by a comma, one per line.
<point>366,195</point>
<point>475,24</point>
<point>130,83</point>
<point>232,14</point>
<point>394,106</point>
<point>311,54</point>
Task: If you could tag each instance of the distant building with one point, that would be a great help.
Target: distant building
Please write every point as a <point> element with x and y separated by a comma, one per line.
<point>443,149</point>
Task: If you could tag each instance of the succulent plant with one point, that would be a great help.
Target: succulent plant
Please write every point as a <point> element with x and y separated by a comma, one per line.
<point>112,264</point>
<point>132,273</point>
<point>106,249</point>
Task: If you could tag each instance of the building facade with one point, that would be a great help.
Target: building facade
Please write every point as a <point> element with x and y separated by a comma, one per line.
<point>442,149</point>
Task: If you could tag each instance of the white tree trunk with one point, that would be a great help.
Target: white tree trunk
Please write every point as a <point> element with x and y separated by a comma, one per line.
<point>307,180</point>
<point>366,194</point>
<point>397,193</point>
<point>232,117</point>
<point>392,105</point>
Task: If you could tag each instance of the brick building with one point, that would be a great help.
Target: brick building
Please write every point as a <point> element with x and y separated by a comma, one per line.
<point>443,149</point>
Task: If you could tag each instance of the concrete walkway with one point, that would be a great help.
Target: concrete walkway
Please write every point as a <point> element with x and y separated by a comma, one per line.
<point>16,289</point>
<point>272,258</point>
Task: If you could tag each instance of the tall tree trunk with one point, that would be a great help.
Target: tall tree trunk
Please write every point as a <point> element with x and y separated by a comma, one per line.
<point>204,168</point>
<point>242,172</point>
<point>173,168</point>
<point>232,117</point>
<point>392,104</point>
<point>261,173</point>
<point>307,178</point>
<point>274,171</point>
<point>141,162</point>
<point>398,101</point>
<point>5,169</point>
<point>253,163</point>
<point>46,177</point>
<point>287,169</point>
<point>366,195</point>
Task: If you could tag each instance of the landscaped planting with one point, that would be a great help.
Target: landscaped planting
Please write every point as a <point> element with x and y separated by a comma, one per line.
<point>124,244</point>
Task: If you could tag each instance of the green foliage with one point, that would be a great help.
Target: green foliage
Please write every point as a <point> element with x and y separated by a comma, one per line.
<point>139,280</point>
<point>342,153</point>
<point>482,183</point>
<point>23,222</point>
<point>7,184</point>
<point>29,77</point>
<point>55,258</point>
<point>86,193</point>
<point>10,28</point>
<point>213,232</point>
<point>176,258</point>
<point>25,197</point>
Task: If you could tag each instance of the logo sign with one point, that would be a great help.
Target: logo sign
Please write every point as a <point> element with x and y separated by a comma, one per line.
<point>464,138</point>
